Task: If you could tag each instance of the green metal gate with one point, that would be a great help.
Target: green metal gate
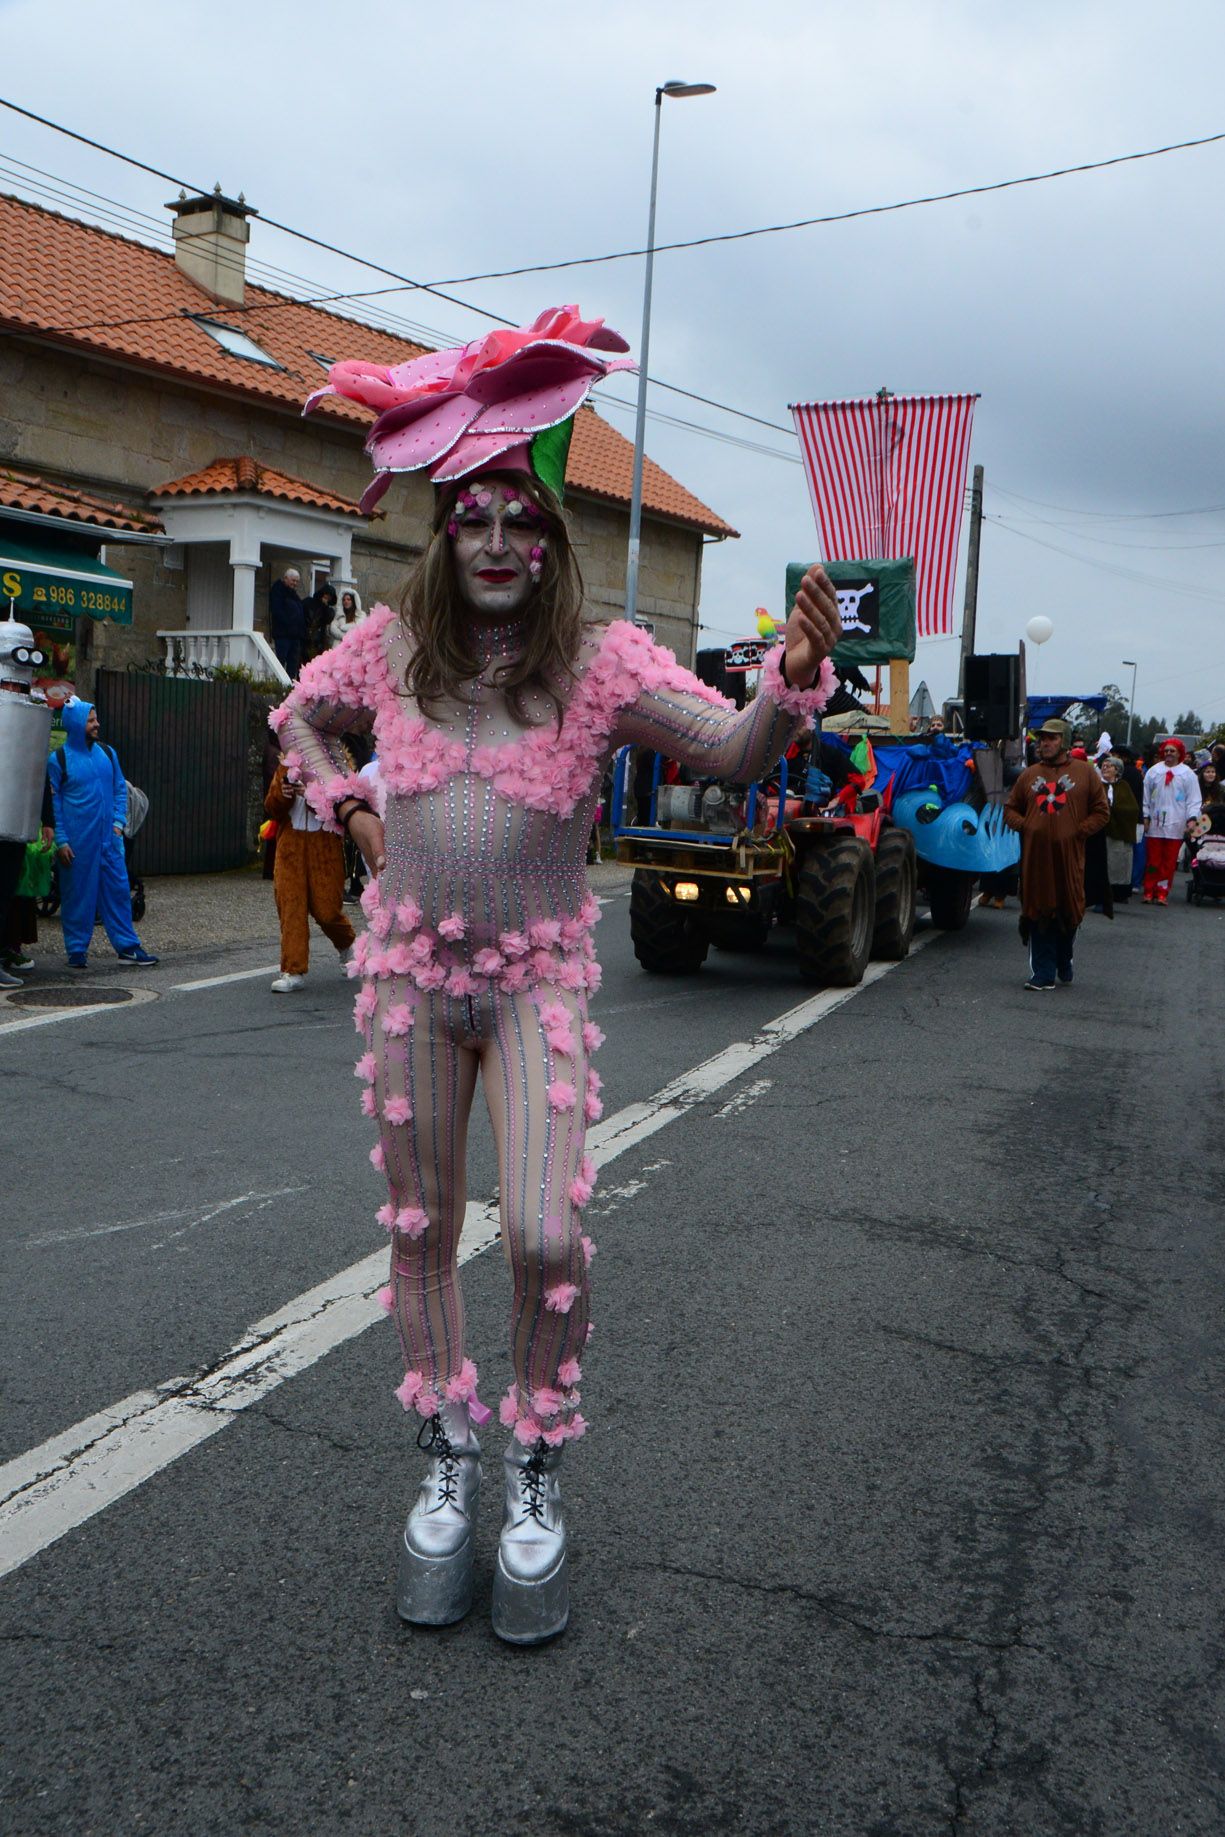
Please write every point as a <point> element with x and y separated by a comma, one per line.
<point>185,744</point>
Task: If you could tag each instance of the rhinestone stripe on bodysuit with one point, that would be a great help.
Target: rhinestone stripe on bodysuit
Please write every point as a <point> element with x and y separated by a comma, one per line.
<point>463,853</point>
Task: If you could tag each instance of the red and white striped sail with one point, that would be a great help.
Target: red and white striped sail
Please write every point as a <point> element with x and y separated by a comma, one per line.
<point>887,476</point>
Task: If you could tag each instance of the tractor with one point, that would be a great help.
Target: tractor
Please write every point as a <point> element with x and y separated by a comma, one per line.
<point>718,865</point>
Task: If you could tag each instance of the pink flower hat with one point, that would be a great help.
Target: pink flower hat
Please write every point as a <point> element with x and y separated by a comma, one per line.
<point>508,399</point>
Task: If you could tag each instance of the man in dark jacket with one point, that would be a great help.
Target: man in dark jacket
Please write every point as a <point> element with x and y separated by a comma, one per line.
<point>287,621</point>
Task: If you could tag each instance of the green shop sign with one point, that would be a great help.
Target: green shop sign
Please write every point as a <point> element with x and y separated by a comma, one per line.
<point>46,583</point>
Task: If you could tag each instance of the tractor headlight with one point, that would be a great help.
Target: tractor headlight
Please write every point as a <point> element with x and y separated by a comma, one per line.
<point>686,890</point>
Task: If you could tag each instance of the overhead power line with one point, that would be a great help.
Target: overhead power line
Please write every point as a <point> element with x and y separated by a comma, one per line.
<point>844,216</point>
<point>435,287</point>
<point>1157,581</point>
<point>1113,542</point>
<point>1112,516</point>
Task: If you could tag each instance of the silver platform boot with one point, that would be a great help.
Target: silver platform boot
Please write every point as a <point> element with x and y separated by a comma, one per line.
<point>531,1587</point>
<point>434,1581</point>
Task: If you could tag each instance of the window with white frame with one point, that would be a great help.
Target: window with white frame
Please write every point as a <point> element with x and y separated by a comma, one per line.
<point>236,343</point>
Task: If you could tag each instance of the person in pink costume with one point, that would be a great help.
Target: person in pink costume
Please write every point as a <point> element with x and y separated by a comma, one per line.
<point>495,711</point>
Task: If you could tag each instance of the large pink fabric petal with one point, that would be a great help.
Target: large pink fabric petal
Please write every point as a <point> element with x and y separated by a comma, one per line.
<point>487,353</point>
<point>425,438</point>
<point>368,383</point>
<point>568,323</point>
<point>455,411</point>
<point>537,366</point>
<point>393,420</point>
<point>505,451</point>
<point>376,489</point>
<point>533,408</point>
<point>423,375</point>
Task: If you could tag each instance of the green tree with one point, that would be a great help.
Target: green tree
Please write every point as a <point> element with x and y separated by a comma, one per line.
<point>1189,723</point>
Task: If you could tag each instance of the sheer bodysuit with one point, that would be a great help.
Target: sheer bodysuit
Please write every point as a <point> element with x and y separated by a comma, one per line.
<point>479,959</point>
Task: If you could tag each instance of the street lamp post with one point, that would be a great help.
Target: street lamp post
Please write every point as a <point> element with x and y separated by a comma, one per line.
<point>673,88</point>
<point>1131,706</point>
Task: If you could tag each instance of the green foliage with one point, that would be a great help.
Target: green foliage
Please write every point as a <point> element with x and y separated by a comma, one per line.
<point>1088,724</point>
<point>239,672</point>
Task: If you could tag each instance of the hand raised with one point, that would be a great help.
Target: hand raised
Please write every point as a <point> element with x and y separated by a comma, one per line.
<point>813,628</point>
<point>367,831</point>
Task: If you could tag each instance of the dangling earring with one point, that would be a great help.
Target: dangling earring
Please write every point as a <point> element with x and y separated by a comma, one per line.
<point>535,565</point>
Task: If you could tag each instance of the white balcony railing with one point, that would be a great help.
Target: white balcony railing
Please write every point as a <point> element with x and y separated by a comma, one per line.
<point>195,653</point>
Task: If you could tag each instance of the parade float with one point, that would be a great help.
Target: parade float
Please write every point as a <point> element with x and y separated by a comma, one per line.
<point>911,816</point>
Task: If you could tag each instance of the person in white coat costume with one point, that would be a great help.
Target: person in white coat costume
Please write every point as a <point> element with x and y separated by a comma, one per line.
<point>1172,802</point>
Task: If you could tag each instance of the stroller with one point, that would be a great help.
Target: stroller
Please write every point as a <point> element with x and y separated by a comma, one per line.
<point>1207,877</point>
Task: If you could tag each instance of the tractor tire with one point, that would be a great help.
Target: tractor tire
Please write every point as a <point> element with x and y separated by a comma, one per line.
<point>895,896</point>
<point>666,941</point>
<point>949,894</point>
<point>834,913</point>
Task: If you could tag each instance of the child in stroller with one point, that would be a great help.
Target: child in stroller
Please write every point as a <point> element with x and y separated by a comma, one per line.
<point>1207,878</point>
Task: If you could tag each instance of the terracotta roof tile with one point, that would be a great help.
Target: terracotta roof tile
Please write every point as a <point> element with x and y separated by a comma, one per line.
<point>602,464</point>
<point>227,476</point>
<point>100,292</point>
<point>30,491</point>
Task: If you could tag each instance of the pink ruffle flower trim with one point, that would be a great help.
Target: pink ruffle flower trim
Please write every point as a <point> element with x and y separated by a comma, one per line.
<point>424,1394</point>
<point>545,770</point>
<point>796,701</point>
<point>539,1417</point>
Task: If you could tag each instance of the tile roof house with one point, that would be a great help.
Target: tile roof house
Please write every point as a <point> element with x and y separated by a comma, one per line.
<point>151,403</point>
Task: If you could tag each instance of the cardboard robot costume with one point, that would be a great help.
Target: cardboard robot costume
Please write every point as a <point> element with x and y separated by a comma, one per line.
<point>25,733</point>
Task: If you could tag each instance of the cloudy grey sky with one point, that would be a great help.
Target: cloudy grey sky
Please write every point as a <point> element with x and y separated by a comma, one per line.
<point>447,141</point>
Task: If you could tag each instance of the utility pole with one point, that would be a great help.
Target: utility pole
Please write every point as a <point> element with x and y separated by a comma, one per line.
<point>970,615</point>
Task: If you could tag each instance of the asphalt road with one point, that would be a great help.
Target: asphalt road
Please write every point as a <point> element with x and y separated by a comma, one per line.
<point>901,1510</point>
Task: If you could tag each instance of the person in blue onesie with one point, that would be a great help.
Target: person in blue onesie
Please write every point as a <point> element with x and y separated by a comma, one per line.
<point>90,799</point>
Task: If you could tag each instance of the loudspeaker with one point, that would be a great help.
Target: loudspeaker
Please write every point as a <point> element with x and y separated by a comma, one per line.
<point>993,696</point>
<point>708,668</point>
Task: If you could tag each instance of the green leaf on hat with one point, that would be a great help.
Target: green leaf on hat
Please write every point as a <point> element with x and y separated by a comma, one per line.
<point>549,451</point>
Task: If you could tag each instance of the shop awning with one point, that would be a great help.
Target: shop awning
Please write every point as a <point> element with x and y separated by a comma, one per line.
<point>45,581</point>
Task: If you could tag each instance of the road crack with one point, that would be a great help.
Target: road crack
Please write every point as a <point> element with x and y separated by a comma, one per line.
<point>844,1616</point>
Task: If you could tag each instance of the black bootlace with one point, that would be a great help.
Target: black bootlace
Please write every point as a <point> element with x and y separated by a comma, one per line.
<point>534,1483</point>
<point>439,1445</point>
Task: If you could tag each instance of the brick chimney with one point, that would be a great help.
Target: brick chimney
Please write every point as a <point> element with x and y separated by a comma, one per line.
<point>210,242</point>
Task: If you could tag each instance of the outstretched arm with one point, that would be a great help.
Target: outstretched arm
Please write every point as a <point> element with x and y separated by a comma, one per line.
<point>679,716</point>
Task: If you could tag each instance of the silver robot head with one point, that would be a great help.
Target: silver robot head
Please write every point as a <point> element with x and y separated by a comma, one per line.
<point>19,656</point>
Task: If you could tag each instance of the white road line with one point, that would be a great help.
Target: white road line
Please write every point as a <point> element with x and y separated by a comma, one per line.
<point>216,982</point>
<point>112,1007</point>
<point>194,1215</point>
<point>63,1014</point>
<point>78,1473</point>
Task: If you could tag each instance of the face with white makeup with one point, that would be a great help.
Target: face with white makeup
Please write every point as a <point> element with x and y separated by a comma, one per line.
<point>498,543</point>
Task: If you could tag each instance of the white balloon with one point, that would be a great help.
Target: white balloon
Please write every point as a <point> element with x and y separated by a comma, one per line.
<point>1039,630</point>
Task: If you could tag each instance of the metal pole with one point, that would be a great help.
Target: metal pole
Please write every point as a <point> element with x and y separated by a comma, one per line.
<point>640,420</point>
<point>1131,707</point>
<point>969,617</point>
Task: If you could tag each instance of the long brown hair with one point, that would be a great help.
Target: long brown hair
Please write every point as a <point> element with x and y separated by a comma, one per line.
<point>438,622</point>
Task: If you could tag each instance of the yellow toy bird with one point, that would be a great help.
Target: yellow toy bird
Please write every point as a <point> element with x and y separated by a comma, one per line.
<point>766,627</point>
